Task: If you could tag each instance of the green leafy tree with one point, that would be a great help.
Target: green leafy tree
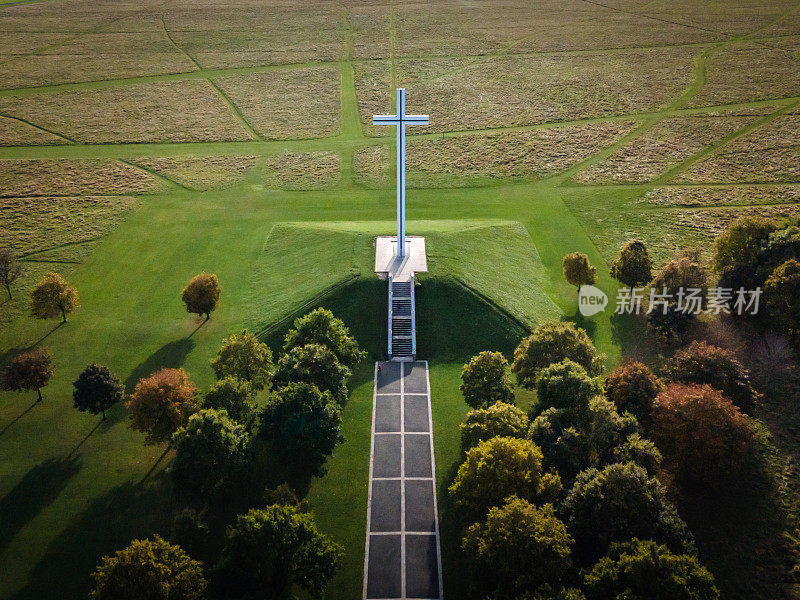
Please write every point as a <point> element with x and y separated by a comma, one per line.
<point>150,569</point>
<point>645,570</point>
<point>639,450</point>
<point>486,379</point>
<point>567,385</point>
<point>233,396</point>
<point>321,327</point>
<point>676,278</point>
<point>303,424</point>
<point>552,342</point>
<point>499,420</point>
<point>162,403</point>
<point>316,365</point>
<point>578,271</point>
<point>633,267</point>
<point>28,371</point>
<point>201,294</point>
<point>633,387</point>
<point>499,468</point>
<point>783,244</point>
<point>782,295</point>
<point>702,363</point>
<point>518,548</point>
<point>244,357</point>
<point>209,451</point>
<point>10,269</point>
<point>272,549</point>
<point>96,390</point>
<point>741,242</point>
<point>619,502</point>
<point>703,435</point>
<point>52,297</point>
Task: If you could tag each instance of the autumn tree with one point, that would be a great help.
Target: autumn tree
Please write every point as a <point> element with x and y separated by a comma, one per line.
<point>552,342</point>
<point>782,296</point>
<point>578,271</point>
<point>321,327</point>
<point>162,403</point>
<point>518,548</point>
<point>29,371</point>
<point>633,387</point>
<point>272,549</point>
<point>244,357</point>
<point>201,294</point>
<point>232,395</point>
<point>209,450</point>
<point>303,424</point>
<point>486,379</point>
<point>316,365</point>
<point>498,420</point>
<point>498,468</point>
<point>741,242</point>
<point>566,385</point>
<point>633,267</point>
<point>150,569</point>
<point>96,390</point>
<point>52,297</point>
<point>645,570</point>
<point>702,363</point>
<point>703,436</point>
<point>617,503</point>
<point>10,269</point>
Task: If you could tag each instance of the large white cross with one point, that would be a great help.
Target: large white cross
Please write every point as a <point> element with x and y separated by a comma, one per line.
<point>400,119</point>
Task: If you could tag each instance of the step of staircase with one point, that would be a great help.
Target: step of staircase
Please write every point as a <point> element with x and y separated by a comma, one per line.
<point>401,289</point>
<point>401,347</point>
<point>401,326</point>
<point>401,307</point>
<point>402,337</point>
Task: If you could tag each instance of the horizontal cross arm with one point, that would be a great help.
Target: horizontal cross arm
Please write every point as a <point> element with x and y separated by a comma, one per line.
<point>419,119</point>
<point>385,119</point>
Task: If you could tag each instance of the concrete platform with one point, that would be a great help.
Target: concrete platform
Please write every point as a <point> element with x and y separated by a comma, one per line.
<point>387,262</point>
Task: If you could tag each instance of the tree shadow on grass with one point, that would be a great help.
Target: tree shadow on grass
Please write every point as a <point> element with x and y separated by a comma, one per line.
<point>18,417</point>
<point>38,488</point>
<point>9,355</point>
<point>127,512</point>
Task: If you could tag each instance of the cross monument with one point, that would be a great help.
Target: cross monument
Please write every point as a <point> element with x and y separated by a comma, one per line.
<point>400,119</point>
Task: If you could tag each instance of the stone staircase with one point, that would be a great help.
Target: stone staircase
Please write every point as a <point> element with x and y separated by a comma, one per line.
<point>402,325</point>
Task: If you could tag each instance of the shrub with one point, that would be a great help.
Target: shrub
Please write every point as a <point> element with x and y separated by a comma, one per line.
<point>244,357</point>
<point>633,387</point>
<point>703,436</point>
<point>321,327</point>
<point>28,371</point>
<point>233,396</point>
<point>518,548</point>
<point>499,468</point>
<point>741,242</point>
<point>316,365</point>
<point>552,342</point>
<point>702,363</point>
<point>782,296</point>
<point>201,294</point>
<point>303,424</point>
<point>162,403</point>
<point>644,570</point>
<point>566,385</point>
<point>209,450</point>
<point>273,549</point>
<point>486,379</point>
<point>151,568</point>
<point>578,271</point>
<point>499,420</point>
<point>619,502</point>
<point>53,297</point>
<point>96,390</point>
<point>633,267</point>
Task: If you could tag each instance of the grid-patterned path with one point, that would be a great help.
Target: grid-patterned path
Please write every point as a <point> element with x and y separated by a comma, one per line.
<point>402,558</point>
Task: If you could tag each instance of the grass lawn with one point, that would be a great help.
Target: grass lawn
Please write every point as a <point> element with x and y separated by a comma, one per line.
<point>166,101</point>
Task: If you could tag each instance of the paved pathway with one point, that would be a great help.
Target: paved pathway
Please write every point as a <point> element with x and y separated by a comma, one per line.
<point>402,558</point>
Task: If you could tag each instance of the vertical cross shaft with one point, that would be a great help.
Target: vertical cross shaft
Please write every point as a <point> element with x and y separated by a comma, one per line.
<point>400,119</point>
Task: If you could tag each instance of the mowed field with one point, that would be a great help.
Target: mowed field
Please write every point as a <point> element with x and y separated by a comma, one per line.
<point>141,143</point>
